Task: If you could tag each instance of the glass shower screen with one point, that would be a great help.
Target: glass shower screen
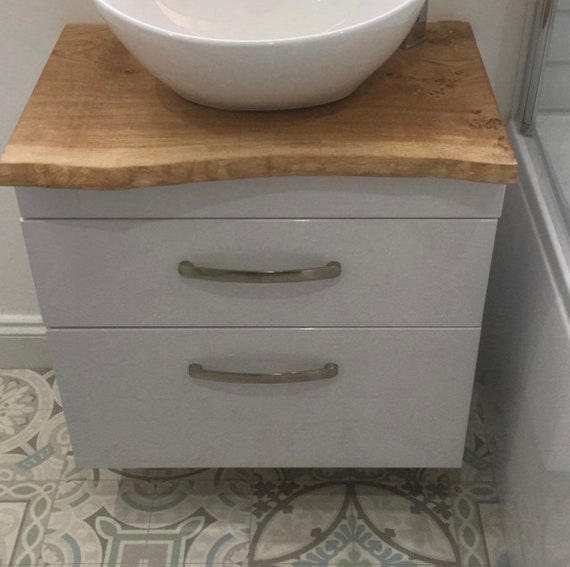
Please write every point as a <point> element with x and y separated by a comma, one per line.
<point>545,111</point>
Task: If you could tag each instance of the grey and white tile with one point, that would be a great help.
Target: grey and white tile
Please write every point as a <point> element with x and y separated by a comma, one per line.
<point>302,523</point>
<point>400,520</point>
<point>478,456</point>
<point>479,528</point>
<point>200,522</point>
<point>99,522</point>
<point>409,523</point>
<point>33,433</point>
<point>315,475</point>
<point>72,471</point>
<point>24,513</point>
<point>491,514</point>
<point>233,517</point>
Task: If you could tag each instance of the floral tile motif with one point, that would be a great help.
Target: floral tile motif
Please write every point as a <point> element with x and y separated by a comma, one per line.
<point>341,522</point>
<point>297,523</point>
<point>411,523</point>
<point>99,522</point>
<point>20,389</point>
<point>199,522</point>
<point>24,512</point>
<point>232,517</point>
<point>33,432</point>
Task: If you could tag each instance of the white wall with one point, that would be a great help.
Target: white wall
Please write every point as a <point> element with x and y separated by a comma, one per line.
<point>499,28</point>
<point>29,29</point>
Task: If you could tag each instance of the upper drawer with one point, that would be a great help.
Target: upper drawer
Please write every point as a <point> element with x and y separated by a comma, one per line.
<point>277,197</point>
<point>124,273</point>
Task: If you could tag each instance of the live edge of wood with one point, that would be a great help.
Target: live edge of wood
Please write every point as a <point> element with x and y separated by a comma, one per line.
<point>98,120</point>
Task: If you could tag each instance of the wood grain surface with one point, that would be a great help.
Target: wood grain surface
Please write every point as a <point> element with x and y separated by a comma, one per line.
<point>98,120</point>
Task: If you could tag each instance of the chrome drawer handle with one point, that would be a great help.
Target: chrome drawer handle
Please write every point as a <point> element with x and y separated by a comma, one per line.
<point>330,370</point>
<point>189,270</point>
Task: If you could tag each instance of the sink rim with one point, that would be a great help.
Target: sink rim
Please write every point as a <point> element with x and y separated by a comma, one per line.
<point>191,38</point>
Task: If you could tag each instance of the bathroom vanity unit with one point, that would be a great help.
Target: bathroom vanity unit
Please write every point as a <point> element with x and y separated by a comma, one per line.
<point>300,288</point>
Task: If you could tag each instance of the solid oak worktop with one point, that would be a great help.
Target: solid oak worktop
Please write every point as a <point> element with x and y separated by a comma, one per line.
<point>98,120</point>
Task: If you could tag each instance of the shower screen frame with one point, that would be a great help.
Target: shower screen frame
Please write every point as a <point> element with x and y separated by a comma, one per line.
<point>541,31</point>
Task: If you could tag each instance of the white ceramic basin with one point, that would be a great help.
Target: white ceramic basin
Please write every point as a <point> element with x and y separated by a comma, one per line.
<point>261,54</point>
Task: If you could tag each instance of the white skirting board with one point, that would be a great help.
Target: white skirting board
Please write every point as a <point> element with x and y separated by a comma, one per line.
<point>23,342</point>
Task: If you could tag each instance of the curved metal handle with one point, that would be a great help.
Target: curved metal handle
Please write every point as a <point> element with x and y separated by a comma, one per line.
<point>330,370</point>
<point>189,270</point>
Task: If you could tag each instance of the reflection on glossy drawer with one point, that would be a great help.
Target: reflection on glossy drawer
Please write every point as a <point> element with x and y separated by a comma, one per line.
<point>117,273</point>
<point>276,197</point>
<point>400,399</point>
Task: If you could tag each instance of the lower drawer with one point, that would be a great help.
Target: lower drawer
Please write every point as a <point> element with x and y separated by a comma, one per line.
<point>400,399</point>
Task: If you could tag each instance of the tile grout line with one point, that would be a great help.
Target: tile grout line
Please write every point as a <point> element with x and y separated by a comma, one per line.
<point>247,559</point>
<point>57,482</point>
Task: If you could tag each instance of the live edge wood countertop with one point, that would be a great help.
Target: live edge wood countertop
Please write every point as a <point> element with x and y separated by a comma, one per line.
<point>98,120</point>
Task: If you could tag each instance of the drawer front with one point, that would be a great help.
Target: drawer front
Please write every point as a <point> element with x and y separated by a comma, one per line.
<point>400,399</point>
<point>124,273</point>
<point>278,197</point>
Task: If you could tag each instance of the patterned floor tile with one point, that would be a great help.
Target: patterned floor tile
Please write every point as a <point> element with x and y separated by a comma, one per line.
<point>33,432</point>
<point>73,472</point>
<point>312,475</point>
<point>479,527</point>
<point>297,523</point>
<point>196,522</point>
<point>478,456</point>
<point>119,563</point>
<point>141,562</point>
<point>20,389</point>
<point>404,521</point>
<point>493,533</point>
<point>99,523</point>
<point>409,524</point>
<point>24,513</point>
<point>232,517</point>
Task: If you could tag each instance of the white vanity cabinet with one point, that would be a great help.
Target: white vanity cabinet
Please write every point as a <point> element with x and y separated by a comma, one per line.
<point>399,324</point>
<point>374,218</point>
